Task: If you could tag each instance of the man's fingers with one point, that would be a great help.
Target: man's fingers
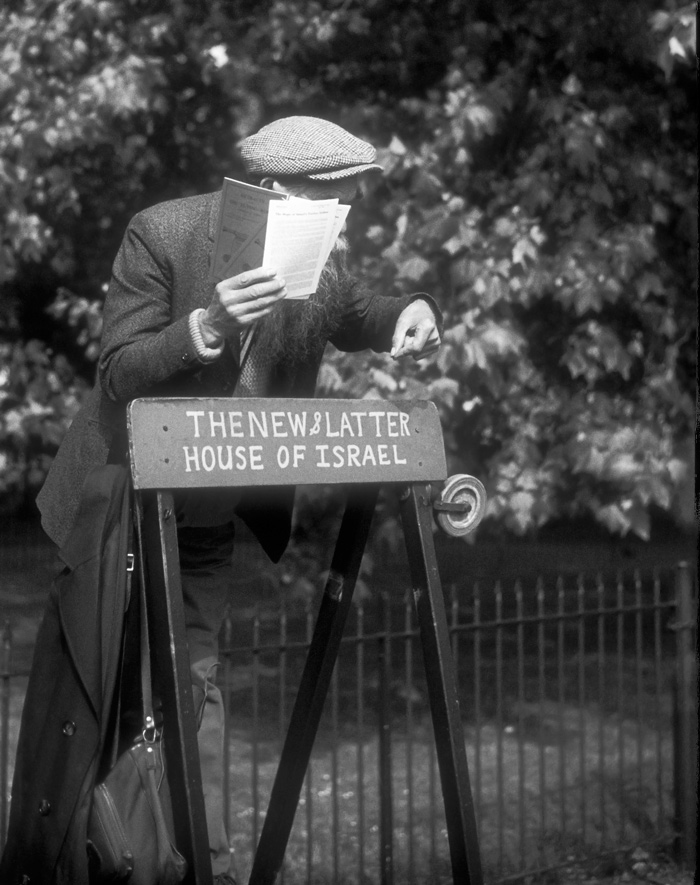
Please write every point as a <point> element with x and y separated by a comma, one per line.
<point>240,300</point>
<point>420,339</point>
<point>251,277</point>
<point>420,336</point>
<point>251,285</point>
<point>401,344</point>
<point>398,342</point>
<point>237,307</point>
<point>429,349</point>
<point>231,292</point>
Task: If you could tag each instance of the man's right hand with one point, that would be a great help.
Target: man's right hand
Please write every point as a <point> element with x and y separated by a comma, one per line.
<point>239,301</point>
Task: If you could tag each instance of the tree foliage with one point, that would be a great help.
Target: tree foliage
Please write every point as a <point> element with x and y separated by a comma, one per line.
<point>540,182</point>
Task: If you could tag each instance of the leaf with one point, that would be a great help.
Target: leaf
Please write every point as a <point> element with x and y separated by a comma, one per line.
<point>600,193</point>
<point>626,517</point>
<point>521,506</point>
<point>465,238</point>
<point>648,283</point>
<point>482,119</point>
<point>504,227</point>
<point>470,404</point>
<point>623,466</point>
<point>475,355</point>
<point>500,340</point>
<point>414,269</point>
<point>384,381</point>
<point>572,85</point>
<point>614,519</point>
<point>524,248</point>
<point>445,390</point>
<point>462,272</point>
<point>582,151</point>
<point>678,470</point>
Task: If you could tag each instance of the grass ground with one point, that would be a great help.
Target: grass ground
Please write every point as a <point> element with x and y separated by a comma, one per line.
<point>512,834</point>
<point>336,832</point>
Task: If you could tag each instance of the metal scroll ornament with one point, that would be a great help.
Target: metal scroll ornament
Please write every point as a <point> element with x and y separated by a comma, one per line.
<point>461,506</point>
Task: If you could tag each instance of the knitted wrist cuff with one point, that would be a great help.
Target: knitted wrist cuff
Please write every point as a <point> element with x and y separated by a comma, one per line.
<point>205,353</point>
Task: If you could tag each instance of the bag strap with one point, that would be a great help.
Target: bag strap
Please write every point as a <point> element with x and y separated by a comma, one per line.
<point>112,740</point>
<point>149,725</point>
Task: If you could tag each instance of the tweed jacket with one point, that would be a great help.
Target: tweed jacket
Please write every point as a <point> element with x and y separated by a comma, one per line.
<point>160,275</point>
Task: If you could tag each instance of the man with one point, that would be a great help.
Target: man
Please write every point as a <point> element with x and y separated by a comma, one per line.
<point>168,331</point>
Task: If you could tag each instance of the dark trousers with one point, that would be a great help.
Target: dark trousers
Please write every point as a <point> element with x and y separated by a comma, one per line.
<point>207,579</point>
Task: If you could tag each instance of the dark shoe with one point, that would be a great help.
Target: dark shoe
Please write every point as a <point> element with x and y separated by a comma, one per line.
<point>224,879</point>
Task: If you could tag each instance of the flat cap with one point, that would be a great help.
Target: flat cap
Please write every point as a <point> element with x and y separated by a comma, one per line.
<point>306,147</point>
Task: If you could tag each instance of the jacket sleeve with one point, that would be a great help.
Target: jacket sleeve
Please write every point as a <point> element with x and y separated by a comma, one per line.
<point>369,318</point>
<point>141,344</point>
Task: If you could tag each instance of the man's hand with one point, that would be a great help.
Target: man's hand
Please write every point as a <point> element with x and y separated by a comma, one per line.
<point>416,331</point>
<point>240,301</point>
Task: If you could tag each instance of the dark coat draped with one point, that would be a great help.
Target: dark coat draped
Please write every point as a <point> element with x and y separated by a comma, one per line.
<point>71,687</point>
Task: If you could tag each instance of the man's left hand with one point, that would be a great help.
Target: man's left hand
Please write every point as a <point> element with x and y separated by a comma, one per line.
<point>416,332</point>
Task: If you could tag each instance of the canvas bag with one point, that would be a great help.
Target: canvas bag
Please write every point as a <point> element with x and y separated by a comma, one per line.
<point>128,836</point>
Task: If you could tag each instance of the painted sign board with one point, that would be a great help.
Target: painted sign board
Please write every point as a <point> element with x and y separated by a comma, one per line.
<point>180,443</point>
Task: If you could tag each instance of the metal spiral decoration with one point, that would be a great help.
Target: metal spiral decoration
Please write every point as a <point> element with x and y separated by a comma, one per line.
<point>461,506</point>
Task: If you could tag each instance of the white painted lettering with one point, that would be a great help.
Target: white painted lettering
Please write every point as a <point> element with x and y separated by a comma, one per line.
<point>234,424</point>
<point>217,422</point>
<point>262,426</point>
<point>283,456</point>
<point>330,432</point>
<point>191,458</point>
<point>397,460</point>
<point>228,465</point>
<point>383,454</point>
<point>277,426</point>
<point>345,425</point>
<point>208,458</point>
<point>196,416</point>
<point>369,456</point>
<point>377,416</point>
<point>241,462</point>
<point>339,456</point>
<point>392,424</point>
<point>299,454</point>
<point>353,455</point>
<point>404,424</point>
<point>256,458</point>
<point>359,416</point>
<point>321,449</point>
<point>297,422</point>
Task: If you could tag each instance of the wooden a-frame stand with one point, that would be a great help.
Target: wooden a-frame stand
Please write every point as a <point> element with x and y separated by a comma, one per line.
<point>461,505</point>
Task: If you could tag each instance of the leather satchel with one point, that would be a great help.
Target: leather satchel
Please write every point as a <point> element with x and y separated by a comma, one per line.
<point>130,825</point>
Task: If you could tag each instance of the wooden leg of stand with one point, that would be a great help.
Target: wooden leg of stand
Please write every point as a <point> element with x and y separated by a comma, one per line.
<point>313,688</point>
<point>172,675</point>
<point>416,513</point>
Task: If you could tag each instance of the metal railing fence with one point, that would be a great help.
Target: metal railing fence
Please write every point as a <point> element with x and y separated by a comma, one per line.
<point>578,703</point>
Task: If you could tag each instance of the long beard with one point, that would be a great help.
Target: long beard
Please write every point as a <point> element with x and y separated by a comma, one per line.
<point>297,331</point>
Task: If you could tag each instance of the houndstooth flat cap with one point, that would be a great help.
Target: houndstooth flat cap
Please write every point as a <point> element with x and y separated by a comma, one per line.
<point>306,147</point>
